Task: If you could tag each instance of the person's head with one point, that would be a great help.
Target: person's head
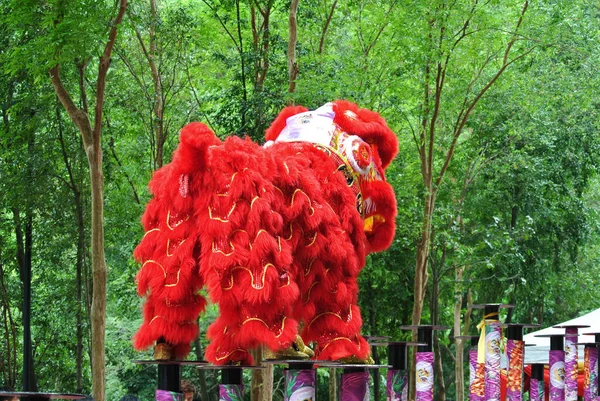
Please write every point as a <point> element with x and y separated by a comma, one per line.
<point>188,390</point>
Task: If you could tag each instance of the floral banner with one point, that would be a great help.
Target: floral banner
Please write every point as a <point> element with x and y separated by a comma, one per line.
<point>514,381</point>
<point>397,388</point>
<point>536,390</point>
<point>557,375</point>
<point>493,335</point>
<point>476,377</point>
<point>355,387</point>
<point>571,364</point>
<point>164,395</point>
<point>424,374</point>
<point>231,392</point>
<point>590,381</point>
<point>300,385</point>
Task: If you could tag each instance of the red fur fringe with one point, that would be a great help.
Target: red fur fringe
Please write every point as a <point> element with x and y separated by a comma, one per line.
<point>273,234</point>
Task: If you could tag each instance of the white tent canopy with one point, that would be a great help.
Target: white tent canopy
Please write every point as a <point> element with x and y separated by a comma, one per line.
<point>539,352</point>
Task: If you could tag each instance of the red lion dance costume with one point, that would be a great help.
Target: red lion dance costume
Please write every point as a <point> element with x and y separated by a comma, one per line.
<point>278,234</point>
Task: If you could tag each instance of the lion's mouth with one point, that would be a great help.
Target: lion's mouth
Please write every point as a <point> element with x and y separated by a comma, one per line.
<point>373,221</point>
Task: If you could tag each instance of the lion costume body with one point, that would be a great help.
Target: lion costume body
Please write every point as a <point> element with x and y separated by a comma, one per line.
<point>278,234</point>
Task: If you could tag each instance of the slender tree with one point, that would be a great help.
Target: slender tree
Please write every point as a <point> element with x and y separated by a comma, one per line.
<point>91,143</point>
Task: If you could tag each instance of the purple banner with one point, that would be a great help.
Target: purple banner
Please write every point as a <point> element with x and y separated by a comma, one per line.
<point>493,333</point>
<point>536,390</point>
<point>476,390</point>
<point>355,387</point>
<point>164,395</point>
<point>397,388</point>
<point>590,367</point>
<point>424,376</point>
<point>299,385</point>
<point>231,392</point>
<point>557,375</point>
<point>514,379</point>
<point>571,364</point>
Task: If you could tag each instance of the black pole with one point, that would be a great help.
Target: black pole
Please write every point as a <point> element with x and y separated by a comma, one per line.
<point>397,356</point>
<point>557,343</point>
<point>515,332</point>
<point>537,371</point>
<point>490,310</point>
<point>425,335</point>
<point>169,377</point>
<point>231,375</point>
<point>27,385</point>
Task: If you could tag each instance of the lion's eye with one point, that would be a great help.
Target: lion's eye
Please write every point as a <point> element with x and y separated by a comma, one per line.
<point>359,154</point>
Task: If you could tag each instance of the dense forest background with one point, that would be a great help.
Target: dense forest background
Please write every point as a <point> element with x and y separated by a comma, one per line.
<point>494,102</point>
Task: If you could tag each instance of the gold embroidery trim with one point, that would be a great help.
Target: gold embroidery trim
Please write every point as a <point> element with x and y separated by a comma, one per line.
<point>312,242</point>
<point>337,339</point>
<point>225,220</point>
<point>169,245</point>
<point>230,183</point>
<point>264,273</point>
<point>154,261</point>
<point>178,224</point>
<point>306,271</point>
<point>291,232</point>
<point>287,169</point>
<point>329,313</point>
<point>154,318</point>
<point>149,231</point>
<point>265,323</point>
<point>254,200</point>
<point>221,252</point>
<point>312,211</point>
<point>229,353</point>
<point>309,290</point>
<point>173,285</point>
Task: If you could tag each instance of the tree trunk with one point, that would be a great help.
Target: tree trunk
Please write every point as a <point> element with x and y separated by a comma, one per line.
<point>435,320</point>
<point>79,218</point>
<point>159,109</point>
<point>421,276</point>
<point>459,352</point>
<point>91,143</point>
<point>292,64</point>
<point>262,379</point>
<point>99,275</point>
<point>325,27</point>
<point>201,373</point>
<point>333,388</point>
<point>8,364</point>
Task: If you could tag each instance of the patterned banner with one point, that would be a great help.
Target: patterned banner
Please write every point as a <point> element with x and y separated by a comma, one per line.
<point>557,375</point>
<point>355,387</point>
<point>476,377</point>
<point>493,334</point>
<point>397,388</point>
<point>165,395</point>
<point>536,390</point>
<point>590,381</point>
<point>571,364</point>
<point>514,381</point>
<point>231,392</point>
<point>300,385</point>
<point>424,376</point>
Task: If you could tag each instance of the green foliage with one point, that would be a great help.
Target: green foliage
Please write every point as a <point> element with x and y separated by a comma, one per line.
<point>517,209</point>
